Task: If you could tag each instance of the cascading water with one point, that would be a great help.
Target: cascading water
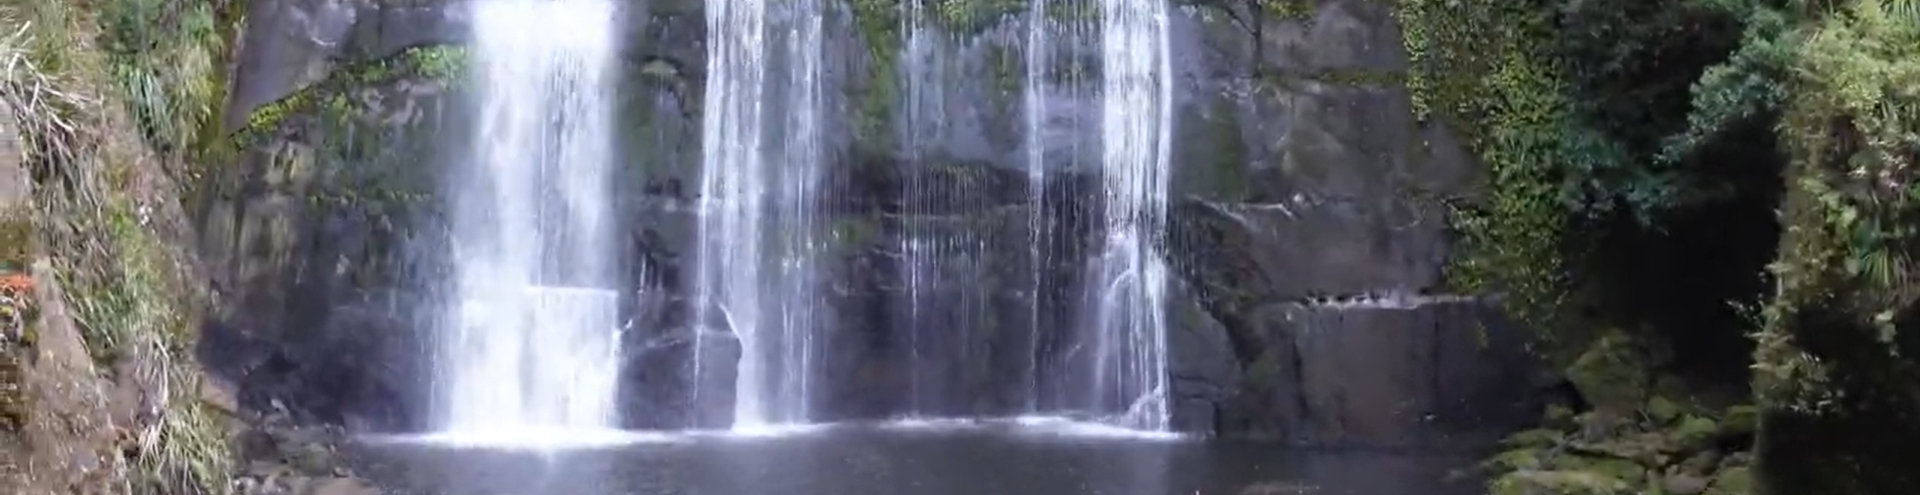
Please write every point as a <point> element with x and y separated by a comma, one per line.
<point>760,235</point>
<point>1127,283</point>
<point>916,250</point>
<point>787,357</point>
<point>531,340</point>
<point>1034,85</point>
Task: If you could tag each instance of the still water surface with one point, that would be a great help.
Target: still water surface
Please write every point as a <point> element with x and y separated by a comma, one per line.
<point>909,459</point>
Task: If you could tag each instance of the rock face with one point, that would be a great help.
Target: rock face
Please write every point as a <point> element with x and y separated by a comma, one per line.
<point>1299,168</point>
<point>307,240</point>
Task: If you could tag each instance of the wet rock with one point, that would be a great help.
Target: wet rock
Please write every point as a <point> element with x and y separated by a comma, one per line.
<point>1322,380</point>
<point>1296,184</point>
<point>681,378</point>
<point>1684,484</point>
<point>292,44</point>
<point>281,456</point>
<point>1204,375</point>
<point>340,486</point>
<point>1680,452</point>
<point>1278,488</point>
<point>1703,462</point>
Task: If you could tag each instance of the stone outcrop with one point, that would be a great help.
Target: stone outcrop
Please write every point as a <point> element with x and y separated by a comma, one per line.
<point>307,243</point>
<point>1641,434</point>
<point>1299,168</point>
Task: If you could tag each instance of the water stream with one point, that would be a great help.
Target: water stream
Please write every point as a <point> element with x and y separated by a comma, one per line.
<point>761,230</point>
<point>1127,283</point>
<point>530,339</point>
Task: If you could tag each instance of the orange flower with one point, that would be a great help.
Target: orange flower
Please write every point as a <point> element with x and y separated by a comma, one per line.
<point>16,284</point>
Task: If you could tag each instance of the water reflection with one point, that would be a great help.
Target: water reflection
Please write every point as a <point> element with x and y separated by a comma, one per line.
<point>977,459</point>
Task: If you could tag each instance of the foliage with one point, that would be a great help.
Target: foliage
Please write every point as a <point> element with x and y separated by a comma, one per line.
<point>1509,97</point>
<point>971,16</point>
<point>98,183</point>
<point>435,62</point>
<point>1586,113</point>
<point>879,25</point>
<point>165,56</point>
<point>1852,129</point>
<point>1750,83</point>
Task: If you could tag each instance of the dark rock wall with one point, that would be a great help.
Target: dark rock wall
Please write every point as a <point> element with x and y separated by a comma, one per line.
<point>1299,168</point>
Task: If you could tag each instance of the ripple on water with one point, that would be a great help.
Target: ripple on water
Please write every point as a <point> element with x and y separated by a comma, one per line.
<point>534,439</point>
<point>1021,455</point>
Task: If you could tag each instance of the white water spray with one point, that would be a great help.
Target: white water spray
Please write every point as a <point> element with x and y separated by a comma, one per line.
<point>760,232</point>
<point>531,342</point>
<point>1034,84</point>
<point>1128,281</point>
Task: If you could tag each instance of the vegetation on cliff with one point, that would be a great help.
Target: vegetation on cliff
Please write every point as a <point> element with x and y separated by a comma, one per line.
<point>109,99</point>
<point>1623,135</point>
<point>1836,365</point>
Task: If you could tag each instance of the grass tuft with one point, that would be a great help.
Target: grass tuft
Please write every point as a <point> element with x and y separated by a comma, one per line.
<point>97,128</point>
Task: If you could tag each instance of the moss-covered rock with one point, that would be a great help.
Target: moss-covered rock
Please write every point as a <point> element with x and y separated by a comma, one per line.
<point>1626,470</point>
<point>1536,438</point>
<point>1520,459</point>
<point>1736,480</point>
<point>1559,482</point>
<point>440,63</point>
<point>1662,447</point>
<point>1613,374</point>
<point>1739,421</point>
<point>1694,433</point>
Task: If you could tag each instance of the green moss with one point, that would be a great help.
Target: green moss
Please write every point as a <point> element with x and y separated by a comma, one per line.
<point>1535,438</point>
<point>1514,460</point>
<point>1567,482</point>
<point>1291,10</point>
<point>1737,480</point>
<point>164,62</point>
<point>1225,153</point>
<point>1008,80</point>
<point>1488,70</point>
<point>967,17</point>
<point>1661,410</point>
<point>1264,372</point>
<point>851,234</point>
<point>1612,374</point>
<point>1363,77</point>
<point>1630,472</point>
<point>879,24</point>
<point>16,243</point>
<point>1695,432</point>
<point>1739,421</point>
<point>329,97</point>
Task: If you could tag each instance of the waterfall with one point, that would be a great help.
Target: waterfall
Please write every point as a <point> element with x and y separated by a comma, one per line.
<point>1034,86</point>
<point>531,341</point>
<point>1127,283</point>
<point>785,393</point>
<point>760,237</point>
<point>922,115</point>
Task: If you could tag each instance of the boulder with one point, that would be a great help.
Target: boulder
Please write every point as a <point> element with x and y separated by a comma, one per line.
<point>678,377</point>
<point>1613,374</point>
